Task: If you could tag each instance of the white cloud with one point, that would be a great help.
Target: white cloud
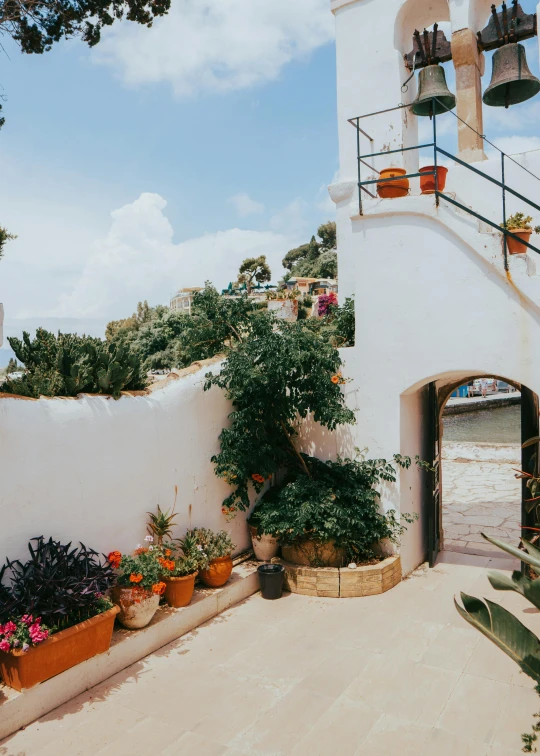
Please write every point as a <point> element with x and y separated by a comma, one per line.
<point>217,45</point>
<point>138,260</point>
<point>291,220</point>
<point>513,145</point>
<point>245,205</point>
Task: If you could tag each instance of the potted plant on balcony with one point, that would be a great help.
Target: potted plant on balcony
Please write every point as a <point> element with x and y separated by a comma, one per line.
<point>53,611</point>
<point>218,549</point>
<point>181,565</point>
<point>138,584</point>
<point>519,224</point>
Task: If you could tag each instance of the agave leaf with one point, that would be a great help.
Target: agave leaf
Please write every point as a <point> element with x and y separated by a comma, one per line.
<point>505,630</point>
<point>524,556</point>
<point>530,442</point>
<point>517,582</point>
<point>532,550</point>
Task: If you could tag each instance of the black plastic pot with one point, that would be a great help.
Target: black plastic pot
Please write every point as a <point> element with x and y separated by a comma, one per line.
<point>271,580</point>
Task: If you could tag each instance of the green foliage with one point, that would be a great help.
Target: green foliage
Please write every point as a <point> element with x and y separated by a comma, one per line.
<point>339,324</point>
<point>37,24</point>
<point>502,627</point>
<point>336,502</point>
<point>254,269</point>
<point>5,236</point>
<point>316,259</point>
<point>161,524</point>
<point>67,364</point>
<point>140,570</point>
<point>212,545</point>
<point>282,373</point>
<point>188,557</point>
<point>12,366</point>
<point>520,222</point>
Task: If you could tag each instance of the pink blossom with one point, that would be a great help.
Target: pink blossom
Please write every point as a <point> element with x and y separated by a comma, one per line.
<point>4,645</point>
<point>27,619</point>
<point>9,629</point>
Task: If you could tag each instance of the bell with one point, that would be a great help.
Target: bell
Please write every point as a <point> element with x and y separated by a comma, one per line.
<point>432,83</point>
<point>511,80</point>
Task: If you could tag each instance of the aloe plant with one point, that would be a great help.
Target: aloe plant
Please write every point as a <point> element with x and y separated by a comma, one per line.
<point>502,627</point>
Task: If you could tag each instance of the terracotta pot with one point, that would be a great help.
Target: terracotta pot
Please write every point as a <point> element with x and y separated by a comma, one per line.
<point>179,590</point>
<point>218,572</point>
<point>63,650</point>
<point>265,546</point>
<point>393,189</point>
<point>137,606</point>
<point>314,554</point>
<point>515,247</point>
<point>427,183</point>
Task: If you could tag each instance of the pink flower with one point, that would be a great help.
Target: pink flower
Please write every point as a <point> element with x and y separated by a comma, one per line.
<point>4,645</point>
<point>27,619</point>
<point>9,629</point>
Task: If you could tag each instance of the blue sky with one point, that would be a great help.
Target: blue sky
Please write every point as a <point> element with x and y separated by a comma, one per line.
<point>164,157</point>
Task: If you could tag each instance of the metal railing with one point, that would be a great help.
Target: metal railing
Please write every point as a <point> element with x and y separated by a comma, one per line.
<point>361,159</point>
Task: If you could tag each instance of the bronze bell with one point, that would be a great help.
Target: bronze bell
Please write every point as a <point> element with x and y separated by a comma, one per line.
<point>432,83</point>
<point>511,80</point>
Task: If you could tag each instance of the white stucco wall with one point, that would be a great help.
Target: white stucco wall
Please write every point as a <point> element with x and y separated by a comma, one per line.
<point>89,469</point>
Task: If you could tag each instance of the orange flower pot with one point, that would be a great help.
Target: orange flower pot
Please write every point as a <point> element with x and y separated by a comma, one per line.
<point>427,183</point>
<point>218,572</point>
<point>393,189</point>
<point>63,650</point>
<point>179,590</point>
<point>515,247</point>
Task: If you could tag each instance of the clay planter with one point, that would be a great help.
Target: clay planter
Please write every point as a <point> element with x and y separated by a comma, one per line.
<point>515,247</point>
<point>314,554</point>
<point>427,183</point>
<point>265,546</point>
<point>218,572</point>
<point>137,606</point>
<point>393,189</point>
<point>179,590</point>
<point>63,650</point>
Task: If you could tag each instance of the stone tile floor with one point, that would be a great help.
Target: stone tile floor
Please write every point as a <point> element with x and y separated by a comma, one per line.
<point>397,673</point>
<point>480,493</point>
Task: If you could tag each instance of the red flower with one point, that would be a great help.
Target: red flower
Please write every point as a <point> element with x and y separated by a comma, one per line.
<point>257,478</point>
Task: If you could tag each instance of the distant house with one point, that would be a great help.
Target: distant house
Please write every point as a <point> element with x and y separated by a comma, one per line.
<point>183,299</point>
<point>313,286</point>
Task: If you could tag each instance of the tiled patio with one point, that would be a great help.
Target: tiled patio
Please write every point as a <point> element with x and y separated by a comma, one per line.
<point>398,673</point>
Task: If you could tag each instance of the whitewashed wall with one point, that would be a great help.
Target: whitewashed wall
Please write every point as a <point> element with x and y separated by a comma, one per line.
<point>89,469</point>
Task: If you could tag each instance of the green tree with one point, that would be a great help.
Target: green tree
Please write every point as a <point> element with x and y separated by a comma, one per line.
<point>316,259</point>
<point>12,366</point>
<point>254,269</point>
<point>5,236</point>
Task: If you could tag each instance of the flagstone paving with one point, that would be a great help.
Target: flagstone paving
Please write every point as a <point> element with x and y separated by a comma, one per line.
<point>397,673</point>
<point>480,494</point>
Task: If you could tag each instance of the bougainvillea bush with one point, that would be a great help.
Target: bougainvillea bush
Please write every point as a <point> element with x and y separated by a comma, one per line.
<point>326,302</point>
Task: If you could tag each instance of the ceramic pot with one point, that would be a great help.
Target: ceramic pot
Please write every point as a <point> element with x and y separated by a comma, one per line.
<point>427,183</point>
<point>218,572</point>
<point>137,606</point>
<point>179,590</point>
<point>515,247</point>
<point>265,547</point>
<point>393,189</point>
<point>314,554</point>
<point>63,650</point>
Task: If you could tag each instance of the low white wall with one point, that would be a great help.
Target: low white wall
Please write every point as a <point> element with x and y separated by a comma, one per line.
<point>89,469</point>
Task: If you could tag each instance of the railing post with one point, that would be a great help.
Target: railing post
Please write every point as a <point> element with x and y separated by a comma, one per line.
<point>360,209</point>
<point>505,248</point>
<point>433,102</point>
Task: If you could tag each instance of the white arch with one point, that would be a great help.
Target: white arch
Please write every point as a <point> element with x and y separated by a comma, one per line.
<point>417,14</point>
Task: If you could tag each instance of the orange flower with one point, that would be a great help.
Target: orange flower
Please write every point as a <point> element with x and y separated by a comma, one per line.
<point>159,588</point>
<point>135,577</point>
<point>167,564</point>
<point>114,559</point>
<point>335,379</point>
<point>140,550</point>
<point>257,478</point>
<point>168,552</point>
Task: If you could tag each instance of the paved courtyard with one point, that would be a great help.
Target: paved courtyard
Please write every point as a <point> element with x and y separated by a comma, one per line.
<point>399,673</point>
<point>480,494</point>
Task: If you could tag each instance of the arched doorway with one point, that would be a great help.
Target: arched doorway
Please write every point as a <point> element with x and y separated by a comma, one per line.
<point>443,522</point>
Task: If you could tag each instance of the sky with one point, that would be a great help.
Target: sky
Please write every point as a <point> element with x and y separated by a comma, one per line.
<point>165,156</point>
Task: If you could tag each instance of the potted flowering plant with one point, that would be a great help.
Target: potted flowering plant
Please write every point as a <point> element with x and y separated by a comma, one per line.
<point>53,611</point>
<point>218,549</point>
<point>138,584</point>
<point>181,565</point>
<point>520,225</point>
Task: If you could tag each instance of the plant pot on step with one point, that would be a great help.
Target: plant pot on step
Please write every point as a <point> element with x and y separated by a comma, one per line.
<point>393,189</point>
<point>179,590</point>
<point>61,651</point>
<point>515,247</point>
<point>137,606</point>
<point>314,554</point>
<point>427,183</point>
<point>218,572</point>
<point>265,547</point>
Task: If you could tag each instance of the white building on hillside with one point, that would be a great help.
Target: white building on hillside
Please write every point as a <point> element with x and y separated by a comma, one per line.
<point>438,300</point>
<point>183,299</point>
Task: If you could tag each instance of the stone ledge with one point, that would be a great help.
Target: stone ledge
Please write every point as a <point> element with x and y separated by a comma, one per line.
<point>367,580</point>
<point>127,647</point>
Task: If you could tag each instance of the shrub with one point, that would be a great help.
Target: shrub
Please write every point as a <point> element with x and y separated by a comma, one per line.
<point>60,584</point>
<point>343,322</point>
<point>326,301</point>
<point>67,365</point>
<point>184,558</point>
<point>213,545</point>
